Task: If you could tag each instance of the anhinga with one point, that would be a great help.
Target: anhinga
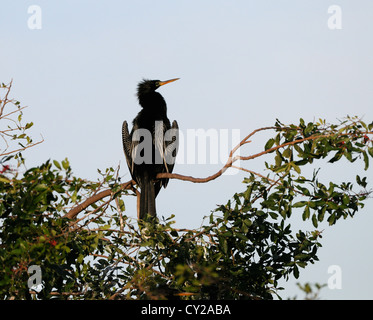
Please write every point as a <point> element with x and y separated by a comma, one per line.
<point>151,146</point>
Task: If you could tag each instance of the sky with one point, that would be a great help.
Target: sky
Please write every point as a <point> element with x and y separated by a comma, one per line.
<point>241,65</point>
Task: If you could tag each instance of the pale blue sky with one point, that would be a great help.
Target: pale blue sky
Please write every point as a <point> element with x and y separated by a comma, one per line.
<point>242,64</point>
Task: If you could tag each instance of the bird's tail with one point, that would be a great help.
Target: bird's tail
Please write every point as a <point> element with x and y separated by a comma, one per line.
<point>147,197</point>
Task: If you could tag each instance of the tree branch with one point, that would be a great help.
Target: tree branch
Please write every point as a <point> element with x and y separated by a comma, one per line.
<point>24,148</point>
<point>128,185</point>
<point>80,207</point>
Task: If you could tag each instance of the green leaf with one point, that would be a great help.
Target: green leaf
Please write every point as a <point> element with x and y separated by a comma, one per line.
<point>306,213</point>
<point>332,205</point>
<point>346,199</point>
<point>241,236</point>
<point>370,151</point>
<point>29,125</point>
<point>366,160</point>
<point>336,157</point>
<point>80,258</point>
<point>224,245</point>
<point>295,167</point>
<point>361,182</point>
<point>278,159</point>
<point>269,144</point>
<point>273,215</point>
<point>322,214</point>
<point>299,204</point>
<point>287,153</point>
<point>312,204</point>
<point>5,180</point>
<point>302,264</point>
<point>65,164</point>
<point>57,164</point>
<point>247,222</point>
<point>296,272</point>
<point>41,187</point>
<point>74,197</point>
<point>331,219</point>
<point>309,128</point>
<point>301,256</point>
<point>247,193</point>
<point>314,220</point>
<point>122,207</point>
<point>305,191</point>
<point>281,169</point>
<point>348,155</point>
<point>291,134</point>
<point>277,139</point>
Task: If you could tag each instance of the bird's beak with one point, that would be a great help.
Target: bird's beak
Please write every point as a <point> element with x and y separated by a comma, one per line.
<point>161,83</point>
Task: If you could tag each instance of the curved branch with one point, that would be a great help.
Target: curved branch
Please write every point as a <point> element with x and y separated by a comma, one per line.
<point>128,185</point>
<point>80,207</point>
<point>227,165</point>
<point>22,149</point>
<point>232,160</point>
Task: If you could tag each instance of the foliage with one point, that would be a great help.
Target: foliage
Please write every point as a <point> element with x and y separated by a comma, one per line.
<point>34,233</point>
<point>13,132</point>
<point>311,291</point>
<point>241,252</point>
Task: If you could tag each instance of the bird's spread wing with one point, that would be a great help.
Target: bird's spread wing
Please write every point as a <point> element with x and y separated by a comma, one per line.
<point>158,140</point>
<point>127,146</point>
<point>166,141</point>
<point>171,145</point>
<point>166,144</point>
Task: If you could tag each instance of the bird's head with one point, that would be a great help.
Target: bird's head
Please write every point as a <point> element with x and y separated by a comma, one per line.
<point>148,86</point>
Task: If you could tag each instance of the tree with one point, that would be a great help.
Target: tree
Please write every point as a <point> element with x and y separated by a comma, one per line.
<point>86,246</point>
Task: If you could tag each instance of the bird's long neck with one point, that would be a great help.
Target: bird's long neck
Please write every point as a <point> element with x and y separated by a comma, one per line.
<point>153,104</point>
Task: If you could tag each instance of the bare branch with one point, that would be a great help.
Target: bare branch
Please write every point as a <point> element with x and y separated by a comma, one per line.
<point>24,148</point>
<point>253,172</point>
<point>5,100</point>
<point>229,164</point>
<point>13,124</point>
<point>75,211</point>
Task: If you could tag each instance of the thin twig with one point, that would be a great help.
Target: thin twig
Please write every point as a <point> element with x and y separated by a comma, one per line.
<point>24,148</point>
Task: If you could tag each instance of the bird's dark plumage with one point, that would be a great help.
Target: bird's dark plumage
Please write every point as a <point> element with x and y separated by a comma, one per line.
<point>151,146</point>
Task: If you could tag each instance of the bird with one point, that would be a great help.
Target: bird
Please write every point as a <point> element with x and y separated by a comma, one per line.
<point>152,145</point>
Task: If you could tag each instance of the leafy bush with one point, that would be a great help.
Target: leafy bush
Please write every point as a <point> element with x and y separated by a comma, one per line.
<point>77,231</point>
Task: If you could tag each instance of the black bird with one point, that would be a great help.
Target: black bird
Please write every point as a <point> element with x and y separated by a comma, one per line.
<point>152,146</point>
